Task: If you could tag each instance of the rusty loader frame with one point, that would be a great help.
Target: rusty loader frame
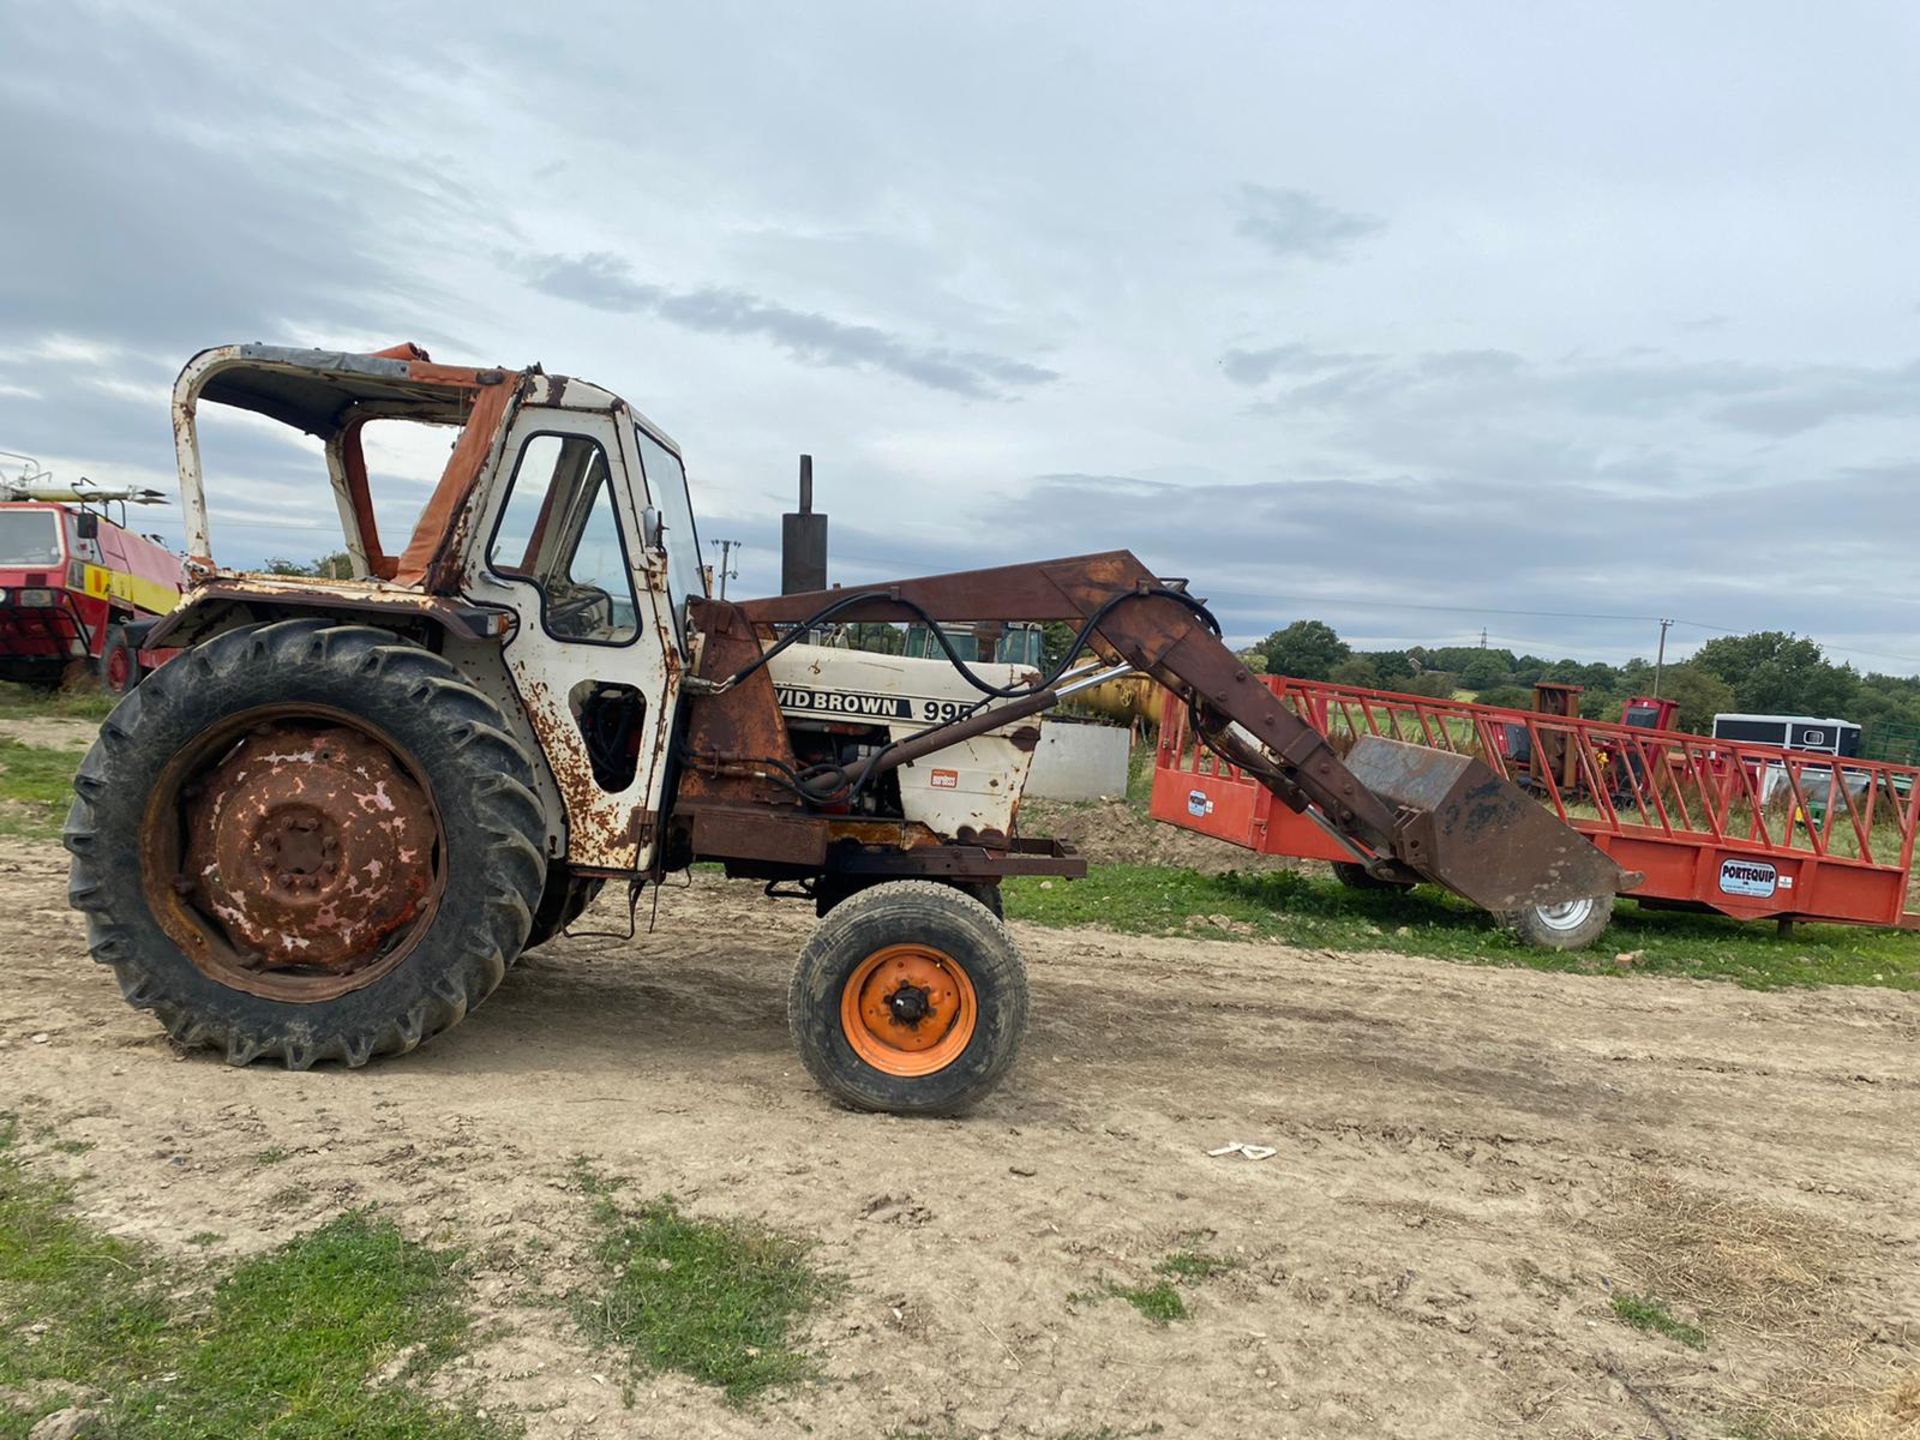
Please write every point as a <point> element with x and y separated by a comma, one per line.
<point>1411,811</point>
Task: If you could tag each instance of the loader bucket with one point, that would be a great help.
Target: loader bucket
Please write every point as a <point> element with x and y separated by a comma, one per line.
<point>1479,835</point>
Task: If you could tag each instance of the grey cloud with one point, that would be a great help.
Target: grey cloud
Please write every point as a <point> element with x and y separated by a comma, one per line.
<point>1350,550</point>
<point>607,282</point>
<point>161,229</point>
<point>1497,414</point>
<point>1293,223</point>
<point>1255,367</point>
<point>1805,401</point>
<point>1358,550</point>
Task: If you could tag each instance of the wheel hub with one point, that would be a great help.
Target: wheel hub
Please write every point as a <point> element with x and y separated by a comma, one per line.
<point>909,1004</point>
<point>908,1009</point>
<point>1567,915</point>
<point>310,845</point>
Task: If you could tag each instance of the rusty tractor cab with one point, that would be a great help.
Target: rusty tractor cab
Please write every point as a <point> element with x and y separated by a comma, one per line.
<point>329,826</point>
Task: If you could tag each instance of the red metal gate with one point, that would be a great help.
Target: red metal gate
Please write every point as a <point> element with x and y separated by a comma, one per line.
<point>1749,830</point>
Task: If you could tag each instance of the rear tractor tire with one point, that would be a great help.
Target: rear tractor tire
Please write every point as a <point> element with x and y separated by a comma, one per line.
<point>911,997</point>
<point>564,900</point>
<point>1572,925</point>
<point>306,840</point>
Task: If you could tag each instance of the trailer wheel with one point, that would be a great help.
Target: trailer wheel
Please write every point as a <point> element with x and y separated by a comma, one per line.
<point>119,663</point>
<point>911,997</point>
<point>1572,925</point>
<point>1355,876</point>
<point>306,840</point>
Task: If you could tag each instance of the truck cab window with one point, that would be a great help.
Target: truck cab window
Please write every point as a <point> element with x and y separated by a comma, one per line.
<point>560,530</point>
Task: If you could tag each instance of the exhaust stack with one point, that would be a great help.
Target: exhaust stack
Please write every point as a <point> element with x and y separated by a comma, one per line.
<point>803,541</point>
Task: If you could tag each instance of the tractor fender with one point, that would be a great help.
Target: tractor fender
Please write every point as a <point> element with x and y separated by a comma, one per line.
<point>470,636</point>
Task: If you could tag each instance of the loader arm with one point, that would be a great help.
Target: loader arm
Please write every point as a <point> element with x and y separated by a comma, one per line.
<point>1442,816</point>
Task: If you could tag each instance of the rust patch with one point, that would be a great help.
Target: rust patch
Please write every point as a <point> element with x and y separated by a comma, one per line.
<point>448,504</point>
<point>559,740</point>
<point>309,845</point>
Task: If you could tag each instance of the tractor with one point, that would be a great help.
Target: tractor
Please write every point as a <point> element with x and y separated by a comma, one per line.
<point>327,828</point>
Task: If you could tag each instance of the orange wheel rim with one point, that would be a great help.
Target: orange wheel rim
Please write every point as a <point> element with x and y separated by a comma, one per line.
<point>908,1010</point>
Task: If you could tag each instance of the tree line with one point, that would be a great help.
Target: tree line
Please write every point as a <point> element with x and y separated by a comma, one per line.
<point>1767,672</point>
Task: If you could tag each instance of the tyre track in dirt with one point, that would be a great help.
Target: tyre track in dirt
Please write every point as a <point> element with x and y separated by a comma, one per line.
<point>1430,1253</point>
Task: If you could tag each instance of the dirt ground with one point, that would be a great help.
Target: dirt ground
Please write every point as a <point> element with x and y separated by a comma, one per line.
<point>1470,1163</point>
<point>1111,832</point>
<point>55,732</point>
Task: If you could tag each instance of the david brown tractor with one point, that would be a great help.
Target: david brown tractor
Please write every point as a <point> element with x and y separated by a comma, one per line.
<point>327,828</point>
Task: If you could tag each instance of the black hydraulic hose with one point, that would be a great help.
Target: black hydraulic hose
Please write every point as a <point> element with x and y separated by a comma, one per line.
<point>987,688</point>
<point>805,783</point>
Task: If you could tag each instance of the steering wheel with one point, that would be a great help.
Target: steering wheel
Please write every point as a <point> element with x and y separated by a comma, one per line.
<point>580,611</point>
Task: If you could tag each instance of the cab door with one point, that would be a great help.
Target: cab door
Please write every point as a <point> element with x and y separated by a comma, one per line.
<point>560,541</point>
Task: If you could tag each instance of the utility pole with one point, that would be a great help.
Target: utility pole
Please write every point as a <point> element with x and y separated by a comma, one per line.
<point>1660,658</point>
<point>728,570</point>
<point>1483,637</point>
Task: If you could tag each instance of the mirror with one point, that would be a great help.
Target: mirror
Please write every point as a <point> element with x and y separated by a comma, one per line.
<point>87,525</point>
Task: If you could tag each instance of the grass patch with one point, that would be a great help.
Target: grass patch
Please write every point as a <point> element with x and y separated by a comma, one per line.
<point>1644,1312</point>
<point>272,1155</point>
<point>1159,1302</point>
<point>296,1336</point>
<point>1193,1265</point>
<point>721,1301</point>
<point>76,1306</point>
<point>287,1345</point>
<point>1317,911</point>
<point>36,787</point>
<point>86,703</point>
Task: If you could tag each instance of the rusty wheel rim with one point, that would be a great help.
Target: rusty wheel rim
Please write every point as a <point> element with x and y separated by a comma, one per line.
<point>119,667</point>
<point>908,1010</point>
<point>293,853</point>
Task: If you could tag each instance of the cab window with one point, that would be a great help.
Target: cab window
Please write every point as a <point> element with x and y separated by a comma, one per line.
<point>667,492</point>
<point>559,528</point>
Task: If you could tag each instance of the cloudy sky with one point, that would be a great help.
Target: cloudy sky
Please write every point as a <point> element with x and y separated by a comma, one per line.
<point>1420,319</point>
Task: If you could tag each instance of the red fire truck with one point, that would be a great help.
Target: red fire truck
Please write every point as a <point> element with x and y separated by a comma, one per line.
<point>73,578</point>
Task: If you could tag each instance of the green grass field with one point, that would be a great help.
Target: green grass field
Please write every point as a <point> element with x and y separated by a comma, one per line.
<point>1318,912</point>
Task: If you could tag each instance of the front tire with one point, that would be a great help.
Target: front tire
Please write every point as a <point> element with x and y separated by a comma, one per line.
<point>911,997</point>
<point>1573,925</point>
<point>306,840</point>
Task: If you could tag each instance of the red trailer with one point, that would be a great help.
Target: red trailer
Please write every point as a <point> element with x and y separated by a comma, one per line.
<point>1752,831</point>
<point>72,579</point>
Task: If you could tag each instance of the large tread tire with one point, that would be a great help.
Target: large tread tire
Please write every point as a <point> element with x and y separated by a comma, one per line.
<point>1574,926</point>
<point>920,912</point>
<point>480,779</point>
<point>987,892</point>
<point>564,900</point>
<point>1355,876</point>
<point>832,891</point>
